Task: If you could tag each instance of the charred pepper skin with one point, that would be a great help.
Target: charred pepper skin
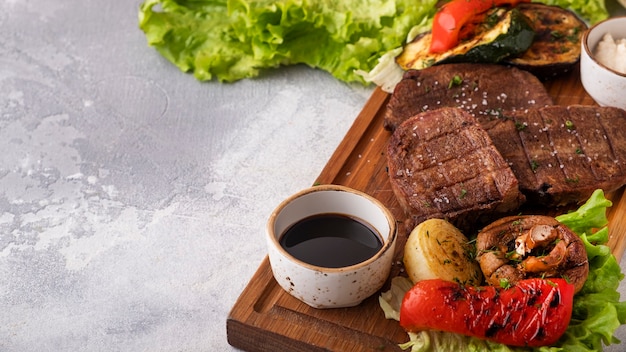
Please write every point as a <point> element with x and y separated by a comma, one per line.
<point>533,313</point>
<point>451,17</point>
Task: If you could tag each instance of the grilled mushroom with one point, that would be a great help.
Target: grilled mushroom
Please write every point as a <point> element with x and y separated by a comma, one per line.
<point>518,247</point>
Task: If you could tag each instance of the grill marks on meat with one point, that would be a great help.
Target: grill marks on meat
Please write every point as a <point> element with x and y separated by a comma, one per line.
<point>442,164</point>
<point>561,154</point>
<point>558,154</point>
<point>484,90</point>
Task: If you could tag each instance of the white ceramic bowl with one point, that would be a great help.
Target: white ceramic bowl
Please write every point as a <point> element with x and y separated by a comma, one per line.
<point>322,287</point>
<point>606,86</point>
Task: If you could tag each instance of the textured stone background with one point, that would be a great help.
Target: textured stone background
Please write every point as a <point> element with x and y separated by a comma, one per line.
<point>133,198</point>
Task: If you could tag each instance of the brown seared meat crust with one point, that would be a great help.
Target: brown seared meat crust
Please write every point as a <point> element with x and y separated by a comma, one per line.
<point>518,247</point>
<point>484,90</point>
<point>442,164</point>
<point>561,154</point>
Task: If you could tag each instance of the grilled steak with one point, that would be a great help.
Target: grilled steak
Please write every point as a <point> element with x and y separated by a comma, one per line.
<point>442,164</point>
<point>485,90</point>
<point>561,154</point>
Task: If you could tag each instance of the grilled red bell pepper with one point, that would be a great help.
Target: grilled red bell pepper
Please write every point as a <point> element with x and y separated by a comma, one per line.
<point>448,21</point>
<point>534,312</point>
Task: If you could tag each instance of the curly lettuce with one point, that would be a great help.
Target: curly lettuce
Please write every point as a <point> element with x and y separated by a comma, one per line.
<point>597,310</point>
<point>591,11</point>
<point>229,40</point>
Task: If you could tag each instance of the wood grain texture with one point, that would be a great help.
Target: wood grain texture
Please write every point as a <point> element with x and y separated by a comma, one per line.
<point>266,318</point>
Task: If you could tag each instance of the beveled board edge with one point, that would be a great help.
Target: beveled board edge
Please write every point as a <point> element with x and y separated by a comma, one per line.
<point>265,318</point>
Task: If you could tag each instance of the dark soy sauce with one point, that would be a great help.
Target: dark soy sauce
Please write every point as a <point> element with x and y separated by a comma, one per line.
<point>331,240</point>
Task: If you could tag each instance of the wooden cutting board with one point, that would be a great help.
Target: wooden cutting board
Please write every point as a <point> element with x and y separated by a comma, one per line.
<point>266,319</point>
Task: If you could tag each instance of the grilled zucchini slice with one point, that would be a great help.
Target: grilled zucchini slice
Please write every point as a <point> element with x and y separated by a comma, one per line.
<point>504,33</point>
<point>556,48</point>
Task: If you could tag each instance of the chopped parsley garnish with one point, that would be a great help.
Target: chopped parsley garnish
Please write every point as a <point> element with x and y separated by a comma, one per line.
<point>455,81</point>
<point>534,165</point>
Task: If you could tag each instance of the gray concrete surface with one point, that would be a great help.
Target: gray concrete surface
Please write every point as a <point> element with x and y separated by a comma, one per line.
<point>133,198</point>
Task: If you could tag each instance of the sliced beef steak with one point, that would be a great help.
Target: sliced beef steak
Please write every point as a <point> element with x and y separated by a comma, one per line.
<point>561,154</point>
<point>442,164</point>
<point>484,90</point>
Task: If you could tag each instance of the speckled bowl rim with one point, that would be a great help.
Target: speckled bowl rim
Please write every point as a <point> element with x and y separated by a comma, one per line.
<point>388,241</point>
<point>589,50</point>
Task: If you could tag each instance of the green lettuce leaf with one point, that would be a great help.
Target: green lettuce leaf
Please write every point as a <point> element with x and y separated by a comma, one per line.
<point>589,216</point>
<point>590,11</point>
<point>234,39</point>
<point>597,310</point>
<point>230,40</point>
